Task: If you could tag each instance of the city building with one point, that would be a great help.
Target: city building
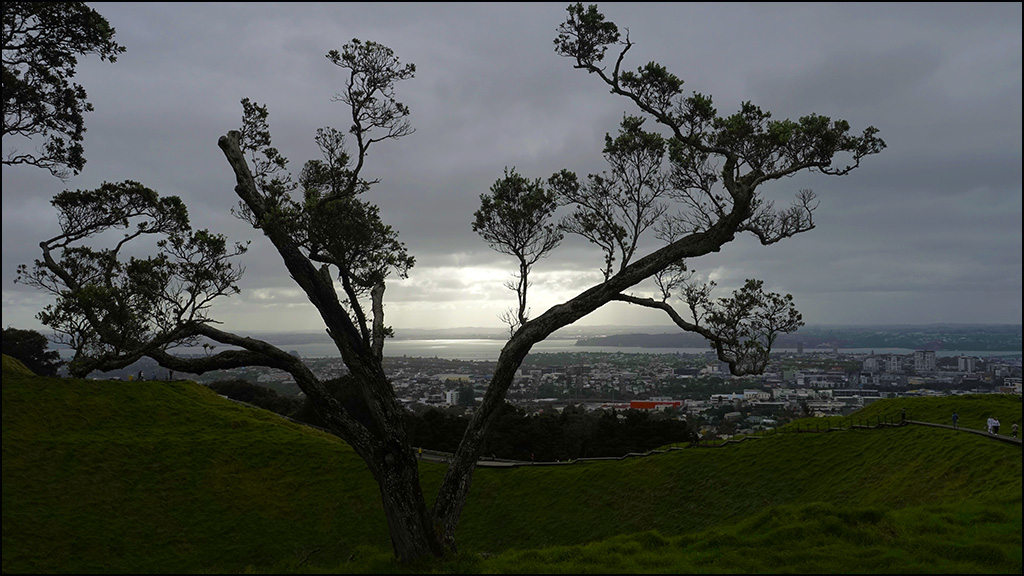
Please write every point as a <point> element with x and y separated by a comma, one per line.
<point>967,364</point>
<point>924,361</point>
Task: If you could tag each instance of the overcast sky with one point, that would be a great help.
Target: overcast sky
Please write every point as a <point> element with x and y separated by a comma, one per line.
<point>928,231</point>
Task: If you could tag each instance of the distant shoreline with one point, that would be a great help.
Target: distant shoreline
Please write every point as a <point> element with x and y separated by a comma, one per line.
<point>476,344</point>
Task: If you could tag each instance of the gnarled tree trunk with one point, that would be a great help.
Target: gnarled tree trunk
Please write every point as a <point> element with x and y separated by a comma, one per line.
<point>411,526</point>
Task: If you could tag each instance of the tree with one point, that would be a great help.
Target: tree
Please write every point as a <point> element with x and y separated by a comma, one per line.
<point>41,45</point>
<point>334,245</point>
<point>513,219</point>
<point>467,398</point>
<point>112,312</point>
<point>30,347</point>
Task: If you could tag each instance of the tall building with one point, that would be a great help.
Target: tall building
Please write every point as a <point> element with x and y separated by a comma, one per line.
<point>451,397</point>
<point>967,364</point>
<point>893,364</point>
<point>871,364</point>
<point>924,361</point>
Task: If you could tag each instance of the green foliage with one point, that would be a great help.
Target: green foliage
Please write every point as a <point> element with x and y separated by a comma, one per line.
<point>245,391</point>
<point>768,148</point>
<point>344,390</point>
<point>373,72</point>
<point>587,35</point>
<point>41,45</point>
<point>30,348</point>
<point>514,218</point>
<point>331,222</point>
<point>698,180</point>
<point>552,436</point>
<point>613,209</point>
<point>467,397</point>
<point>436,429</point>
<point>115,307</point>
<point>748,324</point>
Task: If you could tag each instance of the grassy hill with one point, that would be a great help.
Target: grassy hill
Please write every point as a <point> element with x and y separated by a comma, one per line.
<point>973,410</point>
<point>167,477</point>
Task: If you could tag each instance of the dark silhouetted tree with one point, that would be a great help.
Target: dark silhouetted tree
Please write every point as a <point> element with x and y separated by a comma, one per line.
<point>30,347</point>
<point>514,219</point>
<point>334,245</point>
<point>41,45</point>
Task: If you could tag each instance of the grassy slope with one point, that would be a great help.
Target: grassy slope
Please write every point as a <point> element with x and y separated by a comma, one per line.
<point>15,366</point>
<point>973,410</point>
<point>162,477</point>
<point>701,488</point>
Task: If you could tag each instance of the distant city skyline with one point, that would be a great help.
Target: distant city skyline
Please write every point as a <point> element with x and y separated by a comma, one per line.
<point>928,231</point>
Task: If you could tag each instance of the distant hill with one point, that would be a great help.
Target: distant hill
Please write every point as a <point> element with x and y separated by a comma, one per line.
<point>972,338</point>
<point>103,476</point>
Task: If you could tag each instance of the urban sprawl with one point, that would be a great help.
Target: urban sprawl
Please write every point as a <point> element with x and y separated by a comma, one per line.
<point>693,386</point>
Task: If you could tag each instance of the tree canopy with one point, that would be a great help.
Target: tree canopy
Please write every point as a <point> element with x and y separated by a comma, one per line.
<point>514,219</point>
<point>692,185</point>
<point>30,347</point>
<point>41,45</point>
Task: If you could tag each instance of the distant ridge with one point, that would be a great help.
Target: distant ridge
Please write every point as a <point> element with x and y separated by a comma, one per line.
<point>972,338</point>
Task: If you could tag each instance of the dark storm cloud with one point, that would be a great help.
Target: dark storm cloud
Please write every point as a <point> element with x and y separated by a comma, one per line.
<point>928,231</point>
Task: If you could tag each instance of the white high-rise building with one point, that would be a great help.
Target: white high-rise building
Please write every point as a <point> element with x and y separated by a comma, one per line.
<point>924,361</point>
<point>451,397</point>
<point>967,364</point>
<point>893,364</point>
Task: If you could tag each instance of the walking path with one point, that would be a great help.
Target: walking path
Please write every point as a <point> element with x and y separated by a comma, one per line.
<point>1000,437</point>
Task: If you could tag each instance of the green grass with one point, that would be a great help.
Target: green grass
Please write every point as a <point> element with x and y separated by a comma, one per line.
<point>701,488</point>
<point>163,477</point>
<point>810,538</point>
<point>974,411</point>
<point>15,366</point>
<point>168,477</point>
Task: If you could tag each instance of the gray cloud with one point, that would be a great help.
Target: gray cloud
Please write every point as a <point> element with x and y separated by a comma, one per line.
<point>928,231</point>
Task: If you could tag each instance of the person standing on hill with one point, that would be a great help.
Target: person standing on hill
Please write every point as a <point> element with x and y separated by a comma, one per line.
<point>1013,430</point>
<point>956,419</point>
<point>993,425</point>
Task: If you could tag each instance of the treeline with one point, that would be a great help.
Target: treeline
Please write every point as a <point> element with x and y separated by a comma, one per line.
<point>545,437</point>
<point>245,391</point>
<point>550,436</point>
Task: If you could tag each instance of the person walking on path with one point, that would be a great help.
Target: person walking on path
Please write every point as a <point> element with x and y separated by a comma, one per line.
<point>995,426</point>
<point>991,423</point>
<point>1013,430</point>
<point>956,419</point>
